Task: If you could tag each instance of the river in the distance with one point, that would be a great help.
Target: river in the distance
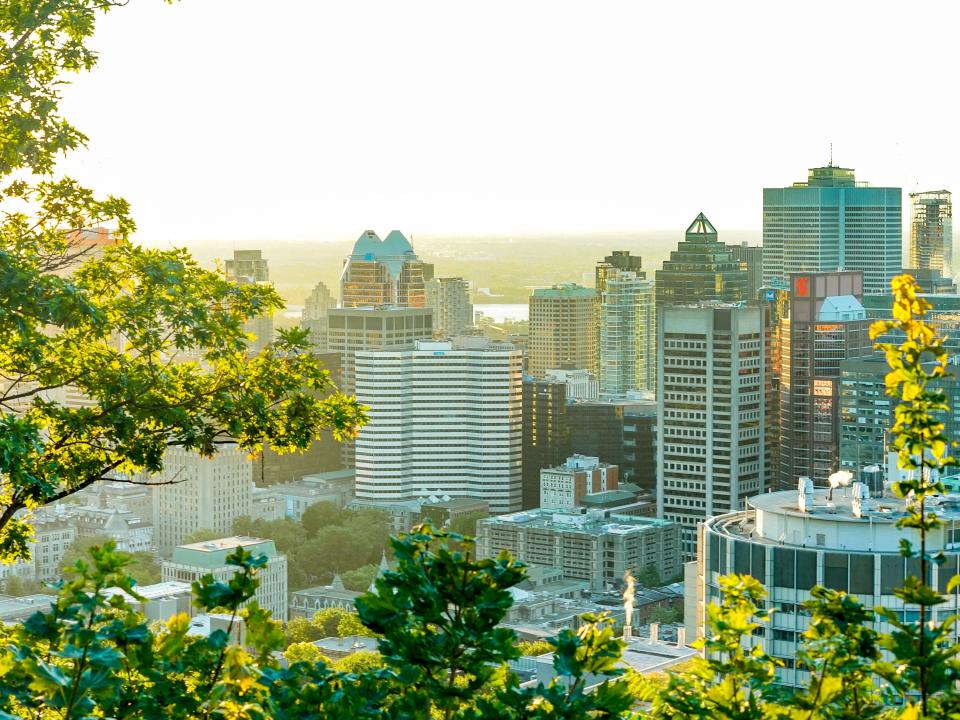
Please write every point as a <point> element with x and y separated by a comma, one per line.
<point>501,312</point>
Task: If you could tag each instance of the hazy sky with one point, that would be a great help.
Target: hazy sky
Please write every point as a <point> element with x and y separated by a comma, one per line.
<point>310,120</point>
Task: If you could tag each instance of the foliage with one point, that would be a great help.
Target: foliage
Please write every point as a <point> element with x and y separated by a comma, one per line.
<point>350,625</point>
<point>534,648</point>
<point>649,577</point>
<point>154,342</point>
<point>321,515</point>
<point>359,662</point>
<point>666,615</point>
<point>360,579</point>
<point>17,586</point>
<point>143,566</point>
<point>328,620</point>
<point>201,535</point>
<point>304,652</point>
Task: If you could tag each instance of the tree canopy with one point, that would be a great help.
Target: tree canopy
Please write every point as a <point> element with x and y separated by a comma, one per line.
<point>152,342</point>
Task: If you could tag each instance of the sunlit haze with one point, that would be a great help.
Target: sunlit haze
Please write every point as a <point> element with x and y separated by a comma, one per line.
<point>257,122</point>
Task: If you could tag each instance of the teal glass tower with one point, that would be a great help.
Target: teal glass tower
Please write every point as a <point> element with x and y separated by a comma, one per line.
<point>831,222</point>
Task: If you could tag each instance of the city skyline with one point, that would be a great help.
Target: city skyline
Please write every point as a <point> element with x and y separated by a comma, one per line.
<point>439,119</point>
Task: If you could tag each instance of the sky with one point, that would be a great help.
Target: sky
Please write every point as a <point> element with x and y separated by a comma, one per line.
<point>309,121</point>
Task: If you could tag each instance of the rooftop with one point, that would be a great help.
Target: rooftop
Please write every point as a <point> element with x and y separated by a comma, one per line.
<point>565,291</point>
<point>592,522</point>
<point>213,553</point>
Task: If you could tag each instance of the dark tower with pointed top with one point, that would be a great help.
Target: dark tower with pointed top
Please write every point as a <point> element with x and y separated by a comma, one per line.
<point>701,268</point>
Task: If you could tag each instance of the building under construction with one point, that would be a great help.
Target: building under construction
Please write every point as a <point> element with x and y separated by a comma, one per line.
<point>931,232</point>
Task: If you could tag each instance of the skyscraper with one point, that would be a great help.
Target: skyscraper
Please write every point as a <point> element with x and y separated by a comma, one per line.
<point>627,334</point>
<point>562,328</point>
<point>826,324</point>
<point>382,272</point>
<point>248,267</point>
<point>711,395</point>
<point>452,310</point>
<point>366,328</point>
<point>752,257</point>
<point>546,432</point>
<point>831,222</point>
<point>931,232</point>
<point>314,317</point>
<point>701,269</point>
<point>444,421</point>
<point>617,260</point>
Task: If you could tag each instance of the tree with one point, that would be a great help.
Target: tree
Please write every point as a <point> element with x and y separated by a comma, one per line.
<point>350,625</point>
<point>359,662</point>
<point>649,577</point>
<point>18,586</point>
<point>114,325</point>
<point>359,580</point>
<point>666,615</point>
<point>300,630</point>
<point>327,621</point>
<point>533,648</point>
<point>142,566</point>
<point>304,652</point>
<point>321,515</point>
<point>201,535</point>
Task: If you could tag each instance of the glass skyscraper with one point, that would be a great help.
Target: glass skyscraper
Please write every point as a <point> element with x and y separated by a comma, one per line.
<point>832,222</point>
<point>701,269</point>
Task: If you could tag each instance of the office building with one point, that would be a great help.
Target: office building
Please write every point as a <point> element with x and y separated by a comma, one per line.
<point>562,329</point>
<point>832,222</point>
<point>752,257</point>
<point>356,329</point>
<point>627,334</point>
<point>564,487</point>
<point>202,494</point>
<point>452,310</point>
<point>248,267</point>
<point>867,412</point>
<point>791,542</point>
<point>943,315</point>
<point>639,465</point>
<point>191,562</point>
<point>382,272</point>
<point>712,408</point>
<point>595,546</point>
<point>581,384</point>
<point>314,317</point>
<point>546,433</point>
<point>931,232</point>
<point>931,281</point>
<point>826,324</point>
<point>701,269</point>
<point>444,421</point>
<point>617,260</point>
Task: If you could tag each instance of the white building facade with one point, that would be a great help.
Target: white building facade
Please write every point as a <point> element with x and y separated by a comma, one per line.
<point>712,405</point>
<point>562,488</point>
<point>627,334</point>
<point>443,422</point>
<point>452,310</point>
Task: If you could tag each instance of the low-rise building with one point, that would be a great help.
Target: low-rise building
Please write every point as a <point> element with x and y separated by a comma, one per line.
<point>309,601</point>
<point>14,610</point>
<point>563,487</point>
<point>193,561</point>
<point>160,601</point>
<point>599,547</point>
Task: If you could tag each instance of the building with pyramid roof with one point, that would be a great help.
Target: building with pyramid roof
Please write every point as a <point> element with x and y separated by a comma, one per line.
<point>701,269</point>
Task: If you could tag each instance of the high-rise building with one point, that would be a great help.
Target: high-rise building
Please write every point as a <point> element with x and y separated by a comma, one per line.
<point>581,384</point>
<point>640,444</point>
<point>627,334</point>
<point>712,406</point>
<point>546,433</point>
<point>314,317</point>
<point>701,269</point>
<point>382,272</point>
<point>351,330</point>
<point>562,329</point>
<point>752,257</point>
<point>826,324</point>
<point>564,486</point>
<point>831,222</point>
<point>444,421</point>
<point>596,429</point>
<point>201,494</point>
<point>452,310</point>
<point>617,260</point>
<point>248,267</point>
<point>191,562</point>
<point>931,232</point>
<point>867,412</point>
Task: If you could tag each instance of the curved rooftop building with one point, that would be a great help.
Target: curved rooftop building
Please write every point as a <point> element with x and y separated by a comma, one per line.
<point>846,540</point>
<point>382,272</point>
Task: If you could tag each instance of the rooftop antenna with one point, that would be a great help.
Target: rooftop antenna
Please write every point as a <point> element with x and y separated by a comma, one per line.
<point>831,155</point>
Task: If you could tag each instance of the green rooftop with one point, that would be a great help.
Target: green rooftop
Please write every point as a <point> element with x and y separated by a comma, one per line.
<point>212,554</point>
<point>565,291</point>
